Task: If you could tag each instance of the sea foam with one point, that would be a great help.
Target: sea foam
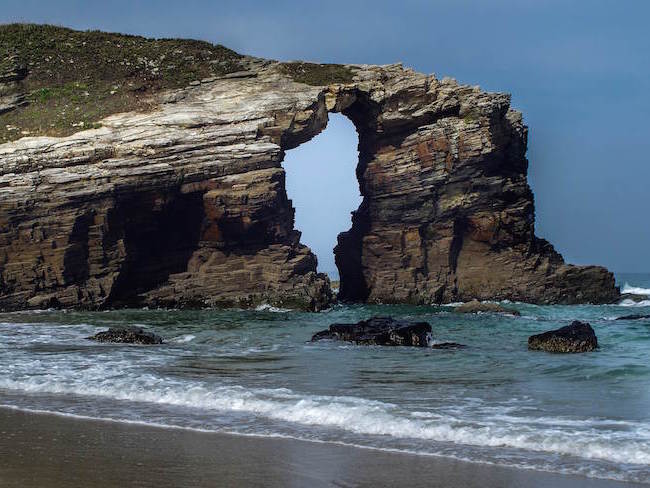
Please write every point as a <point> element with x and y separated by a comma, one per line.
<point>366,417</point>
<point>265,307</point>
<point>635,290</point>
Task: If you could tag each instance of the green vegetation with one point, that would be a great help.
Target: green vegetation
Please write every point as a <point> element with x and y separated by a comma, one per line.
<point>74,79</point>
<point>318,74</point>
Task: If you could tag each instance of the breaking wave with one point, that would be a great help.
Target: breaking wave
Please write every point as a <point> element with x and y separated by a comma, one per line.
<point>624,442</point>
<point>265,307</point>
<point>635,290</point>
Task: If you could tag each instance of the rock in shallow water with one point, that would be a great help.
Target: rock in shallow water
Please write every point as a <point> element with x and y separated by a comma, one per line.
<point>380,331</point>
<point>577,337</point>
<point>447,345</point>
<point>485,307</point>
<point>127,335</point>
<point>634,317</point>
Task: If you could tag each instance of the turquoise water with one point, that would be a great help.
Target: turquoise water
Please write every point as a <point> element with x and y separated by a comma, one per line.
<point>254,372</point>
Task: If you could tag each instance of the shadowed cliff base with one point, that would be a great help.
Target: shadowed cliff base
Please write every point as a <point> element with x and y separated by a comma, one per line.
<point>184,203</point>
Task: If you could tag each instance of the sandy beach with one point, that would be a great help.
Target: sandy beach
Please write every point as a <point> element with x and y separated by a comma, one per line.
<point>43,450</point>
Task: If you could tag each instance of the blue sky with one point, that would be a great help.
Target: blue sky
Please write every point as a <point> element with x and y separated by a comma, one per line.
<point>578,70</point>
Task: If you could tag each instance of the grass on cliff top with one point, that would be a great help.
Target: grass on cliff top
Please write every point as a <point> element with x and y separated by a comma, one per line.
<point>317,74</point>
<point>74,79</point>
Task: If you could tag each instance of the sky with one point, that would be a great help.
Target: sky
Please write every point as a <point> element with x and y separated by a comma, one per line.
<point>578,70</point>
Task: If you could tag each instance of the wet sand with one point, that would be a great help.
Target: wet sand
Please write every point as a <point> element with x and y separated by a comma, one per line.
<point>42,450</point>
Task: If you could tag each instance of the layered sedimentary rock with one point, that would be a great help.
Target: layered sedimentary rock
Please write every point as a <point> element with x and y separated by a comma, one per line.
<point>185,204</point>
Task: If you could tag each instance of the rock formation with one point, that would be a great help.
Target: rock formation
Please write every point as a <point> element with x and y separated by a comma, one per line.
<point>127,335</point>
<point>383,331</point>
<point>577,337</point>
<point>634,317</point>
<point>447,345</point>
<point>183,202</point>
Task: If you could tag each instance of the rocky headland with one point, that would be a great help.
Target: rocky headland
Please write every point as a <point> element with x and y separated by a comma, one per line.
<point>149,172</point>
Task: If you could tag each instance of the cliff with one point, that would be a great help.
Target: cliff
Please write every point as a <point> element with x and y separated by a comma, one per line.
<point>149,172</point>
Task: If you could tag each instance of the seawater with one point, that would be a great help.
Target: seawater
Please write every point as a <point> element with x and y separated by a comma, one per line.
<point>255,372</point>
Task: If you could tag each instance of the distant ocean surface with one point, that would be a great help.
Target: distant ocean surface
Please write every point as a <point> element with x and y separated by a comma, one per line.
<point>254,372</point>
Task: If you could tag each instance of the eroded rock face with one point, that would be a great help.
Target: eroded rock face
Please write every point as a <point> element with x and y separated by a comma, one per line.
<point>186,205</point>
<point>577,337</point>
<point>381,331</point>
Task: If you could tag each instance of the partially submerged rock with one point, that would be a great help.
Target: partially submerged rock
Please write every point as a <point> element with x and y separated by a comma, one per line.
<point>577,337</point>
<point>447,345</point>
<point>127,335</point>
<point>485,307</point>
<point>379,331</point>
<point>634,317</point>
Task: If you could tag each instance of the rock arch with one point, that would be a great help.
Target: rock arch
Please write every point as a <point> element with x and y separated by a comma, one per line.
<point>323,188</point>
<point>447,213</point>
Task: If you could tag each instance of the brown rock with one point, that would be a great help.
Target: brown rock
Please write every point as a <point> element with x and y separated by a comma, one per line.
<point>186,205</point>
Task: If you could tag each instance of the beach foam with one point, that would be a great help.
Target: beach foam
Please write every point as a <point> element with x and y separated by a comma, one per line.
<point>366,417</point>
<point>492,403</point>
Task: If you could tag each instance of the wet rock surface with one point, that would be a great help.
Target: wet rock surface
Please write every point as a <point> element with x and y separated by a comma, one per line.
<point>185,205</point>
<point>485,307</point>
<point>577,337</point>
<point>634,317</point>
<point>127,335</point>
<point>447,345</point>
<point>379,331</point>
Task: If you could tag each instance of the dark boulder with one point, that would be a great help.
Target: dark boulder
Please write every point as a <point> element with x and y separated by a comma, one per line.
<point>448,345</point>
<point>379,331</point>
<point>577,337</point>
<point>127,335</point>
<point>634,317</point>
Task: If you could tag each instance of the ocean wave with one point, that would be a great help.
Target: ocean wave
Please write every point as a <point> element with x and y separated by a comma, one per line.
<point>635,290</point>
<point>183,339</point>
<point>366,417</point>
<point>265,307</point>
<point>631,303</point>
